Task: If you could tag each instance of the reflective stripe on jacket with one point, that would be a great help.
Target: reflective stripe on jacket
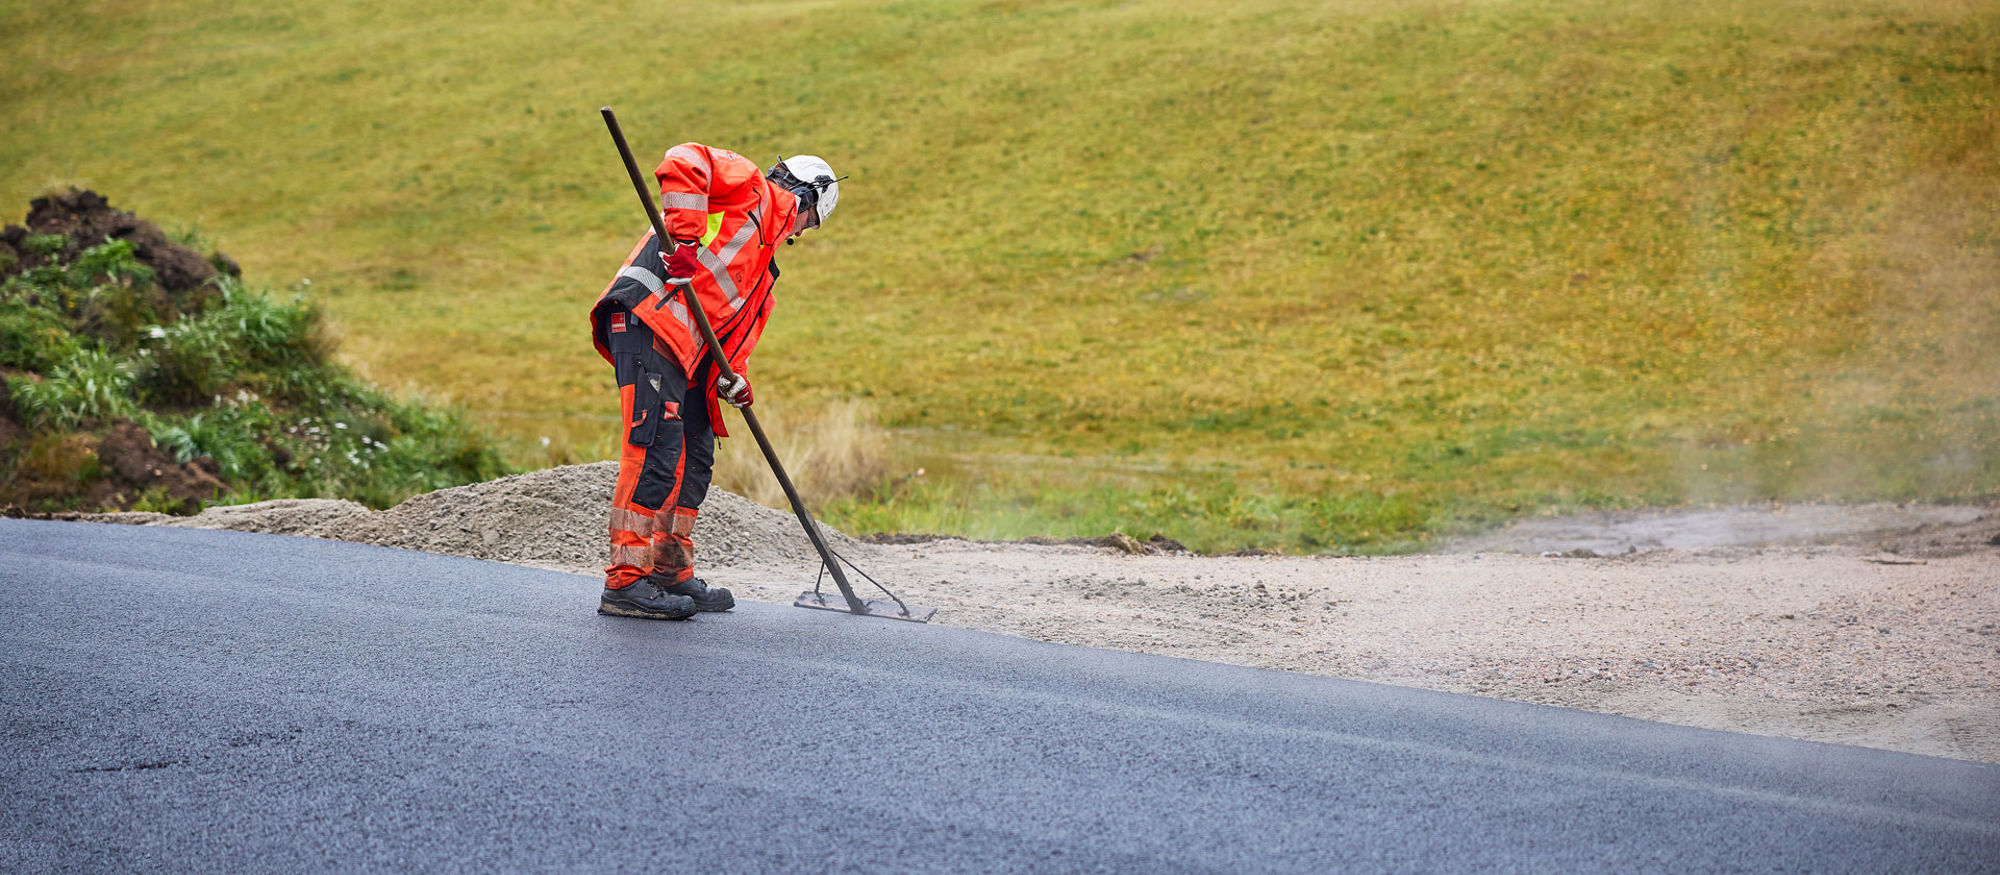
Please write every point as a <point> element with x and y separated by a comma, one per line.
<point>722,199</point>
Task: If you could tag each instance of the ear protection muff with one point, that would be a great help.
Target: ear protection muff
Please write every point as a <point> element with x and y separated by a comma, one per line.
<point>806,192</point>
<point>817,195</point>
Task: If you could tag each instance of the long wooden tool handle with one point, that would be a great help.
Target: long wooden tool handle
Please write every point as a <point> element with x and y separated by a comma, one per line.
<point>721,362</point>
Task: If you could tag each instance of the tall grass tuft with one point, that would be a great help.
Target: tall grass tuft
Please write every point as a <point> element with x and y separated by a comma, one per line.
<point>32,338</point>
<point>92,385</point>
<point>254,341</point>
<point>833,451</point>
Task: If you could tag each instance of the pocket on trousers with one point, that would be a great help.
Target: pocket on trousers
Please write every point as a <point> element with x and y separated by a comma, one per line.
<point>645,424</point>
<point>659,478</point>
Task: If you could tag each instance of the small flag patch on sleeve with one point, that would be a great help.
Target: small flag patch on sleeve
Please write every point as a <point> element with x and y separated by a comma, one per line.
<point>617,322</point>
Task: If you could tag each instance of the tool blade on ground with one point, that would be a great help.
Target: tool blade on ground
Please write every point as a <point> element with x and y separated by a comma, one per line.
<point>874,607</point>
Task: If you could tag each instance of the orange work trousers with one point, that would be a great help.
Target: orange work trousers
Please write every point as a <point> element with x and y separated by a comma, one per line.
<point>665,460</point>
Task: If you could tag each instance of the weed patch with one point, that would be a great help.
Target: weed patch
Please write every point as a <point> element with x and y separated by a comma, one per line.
<point>131,394</point>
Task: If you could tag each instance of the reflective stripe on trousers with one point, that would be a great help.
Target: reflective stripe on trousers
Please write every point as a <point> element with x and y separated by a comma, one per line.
<point>666,457</point>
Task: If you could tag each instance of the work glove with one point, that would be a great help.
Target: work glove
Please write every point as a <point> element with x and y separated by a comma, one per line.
<point>736,393</point>
<point>681,262</point>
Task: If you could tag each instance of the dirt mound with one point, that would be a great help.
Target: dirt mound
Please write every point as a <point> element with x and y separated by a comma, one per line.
<point>86,219</point>
<point>136,463</point>
<point>118,469</point>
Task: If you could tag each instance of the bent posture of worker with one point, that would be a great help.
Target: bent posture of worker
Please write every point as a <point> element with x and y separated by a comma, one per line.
<point>725,219</point>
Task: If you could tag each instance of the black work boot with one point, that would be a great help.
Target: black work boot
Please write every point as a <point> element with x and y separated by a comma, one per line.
<point>706,598</point>
<point>644,600</point>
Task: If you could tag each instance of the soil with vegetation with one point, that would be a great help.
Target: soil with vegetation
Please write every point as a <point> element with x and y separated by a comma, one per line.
<point>141,374</point>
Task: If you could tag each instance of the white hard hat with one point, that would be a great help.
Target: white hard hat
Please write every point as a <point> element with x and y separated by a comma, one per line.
<point>811,170</point>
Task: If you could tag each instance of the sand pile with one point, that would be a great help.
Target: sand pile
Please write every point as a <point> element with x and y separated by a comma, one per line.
<point>285,516</point>
<point>553,518</point>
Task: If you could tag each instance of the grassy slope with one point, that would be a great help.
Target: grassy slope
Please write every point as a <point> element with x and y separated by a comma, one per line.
<point>1297,274</point>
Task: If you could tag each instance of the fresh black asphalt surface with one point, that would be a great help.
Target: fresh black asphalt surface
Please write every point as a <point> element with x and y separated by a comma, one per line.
<point>197,701</point>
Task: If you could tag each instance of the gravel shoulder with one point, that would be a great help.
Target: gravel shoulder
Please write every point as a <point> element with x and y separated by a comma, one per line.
<point>1813,643</point>
<point>1883,634</point>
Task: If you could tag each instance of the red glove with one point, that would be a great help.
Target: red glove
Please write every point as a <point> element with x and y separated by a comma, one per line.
<point>681,263</point>
<point>737,394</point>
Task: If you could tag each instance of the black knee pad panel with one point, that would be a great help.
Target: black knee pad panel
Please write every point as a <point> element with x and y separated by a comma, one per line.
<point>662,468</point>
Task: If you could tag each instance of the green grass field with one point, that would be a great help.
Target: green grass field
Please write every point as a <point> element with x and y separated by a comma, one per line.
<point>1332,276</point>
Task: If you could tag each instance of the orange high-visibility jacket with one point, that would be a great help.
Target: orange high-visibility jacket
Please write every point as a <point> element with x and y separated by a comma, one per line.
<point>722,199</point>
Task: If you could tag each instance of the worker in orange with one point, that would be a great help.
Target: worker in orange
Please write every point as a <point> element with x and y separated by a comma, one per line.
<point>725,219</point>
